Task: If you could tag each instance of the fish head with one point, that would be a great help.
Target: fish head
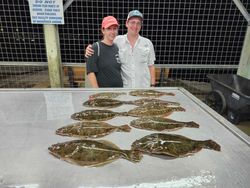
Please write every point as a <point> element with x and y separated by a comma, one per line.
<point>56,150</point>
<point>61,131</point>
<point>62,149</point>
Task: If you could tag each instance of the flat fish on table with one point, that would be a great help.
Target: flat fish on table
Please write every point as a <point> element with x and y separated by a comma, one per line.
<point>95,114</point>
<point>161,124</point>
<point>106,95</point>
<point>104,103</point>
<point>149,93</point>
<point>92,153</point>
<point>172,145</point>
<point>112,103</point>
<point>154,109</point>
<point>90,129</point>
<point>144,101</point>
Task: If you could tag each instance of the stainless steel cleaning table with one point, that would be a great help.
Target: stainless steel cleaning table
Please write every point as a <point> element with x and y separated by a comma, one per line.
<point>29,118</point>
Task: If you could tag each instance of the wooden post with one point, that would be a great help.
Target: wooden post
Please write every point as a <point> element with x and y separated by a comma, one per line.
<point>244,66</point>
<point>53,55</point>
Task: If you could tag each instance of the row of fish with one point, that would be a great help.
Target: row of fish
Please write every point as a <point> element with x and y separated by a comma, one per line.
<point>95,153</point>
<point>112,103</point>
<point>97,129</point>
<point>139,93</point>
<point>101,152</point>
<point>149,109</point>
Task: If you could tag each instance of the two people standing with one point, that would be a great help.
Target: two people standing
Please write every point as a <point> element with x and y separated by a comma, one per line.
<point>136,54</point>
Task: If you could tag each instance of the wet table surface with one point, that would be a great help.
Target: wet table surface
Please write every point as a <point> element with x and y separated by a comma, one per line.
<point>29,118</point>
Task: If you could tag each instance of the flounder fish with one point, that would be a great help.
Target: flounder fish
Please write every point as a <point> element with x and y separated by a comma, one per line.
<point>112,103</point>
<point>106,95</point>
<point>150,109</point>
<point>104,103</point>
<point>149,93</point>
<point>154,109</point>
<point>172,145</point>
<point>161,124</point>
<point>95,114</point>
<point>90,129</point>
<point>144,101</point>
<point>91,152</point>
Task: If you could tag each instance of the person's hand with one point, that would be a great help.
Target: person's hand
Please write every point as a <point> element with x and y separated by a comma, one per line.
<point>89,51</point>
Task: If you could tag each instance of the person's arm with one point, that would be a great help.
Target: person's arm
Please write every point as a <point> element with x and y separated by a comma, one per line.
<point>89,51</point>
<point>152,75</point>
<point>93,80</point>
<point>151,64</point>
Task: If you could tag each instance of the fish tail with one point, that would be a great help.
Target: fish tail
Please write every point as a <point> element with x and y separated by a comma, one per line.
<point>210,144</point>
<point>132,155</point>
<point>124,128</point>
<point>192,124</point>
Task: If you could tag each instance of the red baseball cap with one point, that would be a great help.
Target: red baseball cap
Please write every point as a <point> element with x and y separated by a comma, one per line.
<point>108,21</point>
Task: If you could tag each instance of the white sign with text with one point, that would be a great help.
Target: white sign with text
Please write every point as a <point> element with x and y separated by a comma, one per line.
<point>46,11</point>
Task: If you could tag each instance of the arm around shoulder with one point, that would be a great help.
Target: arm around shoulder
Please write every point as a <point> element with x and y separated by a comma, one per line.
<point>91,63</point>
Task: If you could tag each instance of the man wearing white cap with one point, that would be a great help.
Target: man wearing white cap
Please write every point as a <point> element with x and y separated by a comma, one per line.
<point>136,54</point>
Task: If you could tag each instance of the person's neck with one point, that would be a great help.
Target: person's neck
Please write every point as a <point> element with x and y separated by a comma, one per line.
<point>107,42</point>
<point>132,39</point>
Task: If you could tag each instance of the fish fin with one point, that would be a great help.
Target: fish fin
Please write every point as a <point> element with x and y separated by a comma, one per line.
<point>167,120</point>
<point>87,164</point>
<point>190,153</point>
<point>210,144</point>
<point>170,94</point>
<point>167,114</point>
<point>102,163</point>
<point>124,128</point>
<point>180,109</point>
<point>192,124</point>
<point>109,144</point>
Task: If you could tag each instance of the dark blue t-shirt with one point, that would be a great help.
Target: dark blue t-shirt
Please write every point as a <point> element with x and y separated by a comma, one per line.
<point>106,66</point>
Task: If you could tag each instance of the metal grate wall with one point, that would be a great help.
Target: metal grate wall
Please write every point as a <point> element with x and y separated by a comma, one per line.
<point>191,38</point>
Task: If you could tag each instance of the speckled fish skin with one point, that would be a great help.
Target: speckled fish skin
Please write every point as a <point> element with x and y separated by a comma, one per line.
<point>172,145</point>
<point>106,95</point>
<point>103,103</point>
<point>149,93</point>
<point>90,129</point>
<point>143,101</point>
<point>161,124</point>
<point>92,153</point>
<point>112,103</point>
<point>96,115</point>
<point>154,109</point>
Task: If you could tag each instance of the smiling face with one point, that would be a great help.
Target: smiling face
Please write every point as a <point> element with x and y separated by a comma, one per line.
<point>110,33</point>
<point>134,25</point>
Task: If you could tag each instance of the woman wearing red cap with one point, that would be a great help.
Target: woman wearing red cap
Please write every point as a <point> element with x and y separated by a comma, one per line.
<point>104,67</point>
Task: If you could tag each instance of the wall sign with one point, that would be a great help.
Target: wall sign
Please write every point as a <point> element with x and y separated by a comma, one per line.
<point>46,11</point>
